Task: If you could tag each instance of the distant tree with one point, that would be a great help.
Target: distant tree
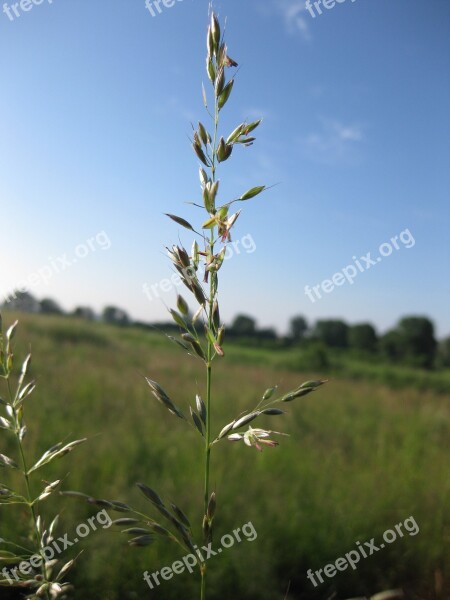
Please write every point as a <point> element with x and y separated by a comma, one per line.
<point>84,312</point>
<point>22,301</point>
<point>115,316</point>
<point>50,307</point>
<point>315,357</point>
<point>243,326</point>
<point>391,346</point>
<point>443,354</point>
<point>332,333</point>
<point>298,327</point>
<point>362,337</point>
<point>419,343</point>
<point>266,334</point>
<point>411,342</point>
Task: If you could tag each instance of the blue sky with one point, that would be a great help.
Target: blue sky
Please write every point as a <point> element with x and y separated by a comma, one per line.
<point>96,103</point>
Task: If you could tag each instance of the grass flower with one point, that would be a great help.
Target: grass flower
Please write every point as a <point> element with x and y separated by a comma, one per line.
<point>255,437</point>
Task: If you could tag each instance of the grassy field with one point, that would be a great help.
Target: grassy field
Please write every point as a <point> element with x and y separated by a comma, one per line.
<point>361,457</point>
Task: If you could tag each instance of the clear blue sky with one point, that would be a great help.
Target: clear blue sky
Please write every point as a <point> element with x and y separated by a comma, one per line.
<point>96,103</point>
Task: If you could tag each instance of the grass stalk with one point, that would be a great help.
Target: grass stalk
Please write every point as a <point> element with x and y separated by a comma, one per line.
<point>201,335</point>
<point>26,477</point>
<point>209,355</point>
<point>38,579</point>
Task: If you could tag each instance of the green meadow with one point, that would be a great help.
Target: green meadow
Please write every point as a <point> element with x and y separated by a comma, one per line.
<point>365,451</point>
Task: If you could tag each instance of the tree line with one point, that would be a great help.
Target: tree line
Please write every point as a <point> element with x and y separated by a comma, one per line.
<point>411,342</point>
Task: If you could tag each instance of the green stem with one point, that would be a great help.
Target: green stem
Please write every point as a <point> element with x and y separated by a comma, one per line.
<point>207,433</point>
<point>209,358</point>
<point>28,487</point>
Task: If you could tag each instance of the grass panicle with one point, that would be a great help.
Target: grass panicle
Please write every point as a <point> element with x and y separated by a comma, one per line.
<point>202,333</point>
<point>27,565</point>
